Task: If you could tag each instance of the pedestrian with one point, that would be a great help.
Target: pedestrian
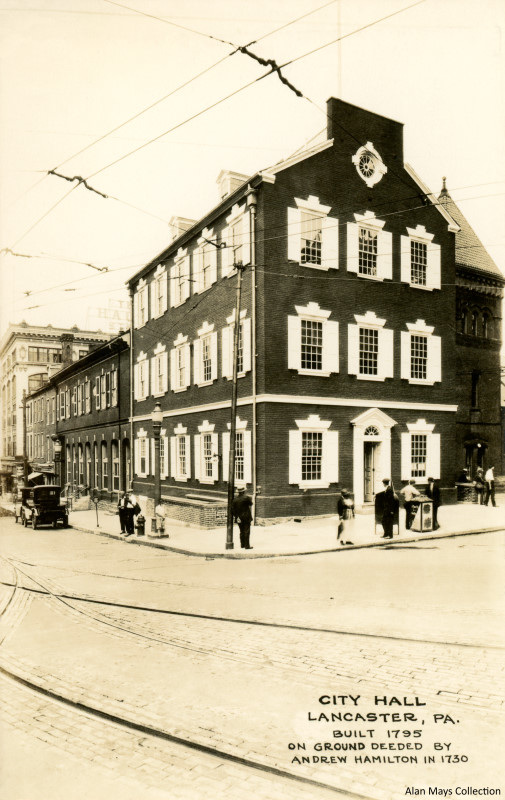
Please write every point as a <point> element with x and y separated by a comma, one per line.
<point>386,508</point>
<point>433,492</point>
<point>463,476</point>
<point>480,485</point>
<point>409,493</point>
<point>345,510</point>
<point>489,479</point>
<point>126,508</point>
<point>241,510</point>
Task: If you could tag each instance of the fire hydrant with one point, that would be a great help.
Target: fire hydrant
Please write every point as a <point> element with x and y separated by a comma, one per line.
<point>140,525</point>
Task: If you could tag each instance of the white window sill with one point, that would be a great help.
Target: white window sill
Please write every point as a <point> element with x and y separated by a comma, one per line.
<point>316,266</point>
<point>160,394</point>
<point>313,485</point>
<point>370,277</point>
<point>239,375</point>
<point>419,382</point>
<point>182,389</point>
<point>317,372</point>
<point>206,383</point>
<point>181,479</point>
<point>207,481</point>
<point>421,286</point>
<point>370,378</point>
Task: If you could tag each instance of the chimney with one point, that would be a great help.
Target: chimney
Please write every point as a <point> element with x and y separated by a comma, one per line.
<point>66,348</point>
<point>229,181</point>
<point>351,126</point>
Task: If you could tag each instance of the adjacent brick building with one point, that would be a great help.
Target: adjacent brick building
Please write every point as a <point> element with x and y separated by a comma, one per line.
<point>350,361</point>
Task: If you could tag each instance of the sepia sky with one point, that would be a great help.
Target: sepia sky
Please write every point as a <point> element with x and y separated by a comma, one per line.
<point>72,71</point>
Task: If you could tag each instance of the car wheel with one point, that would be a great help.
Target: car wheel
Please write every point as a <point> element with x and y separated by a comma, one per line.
<point>54,523</point>
<point>65,522</point>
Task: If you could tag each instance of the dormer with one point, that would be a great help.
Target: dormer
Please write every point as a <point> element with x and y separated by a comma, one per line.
<point>180,225</point>
<point>229,181</point>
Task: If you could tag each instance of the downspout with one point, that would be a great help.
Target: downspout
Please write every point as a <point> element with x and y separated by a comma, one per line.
<point>130,382</point>
<point>251,200</point>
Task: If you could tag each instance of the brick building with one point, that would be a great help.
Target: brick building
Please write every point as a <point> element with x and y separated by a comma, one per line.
<point>86,407</point>
<point>29,355</point>
<point>349,358</point>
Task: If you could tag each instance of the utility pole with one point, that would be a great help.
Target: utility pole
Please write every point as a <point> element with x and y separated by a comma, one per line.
<point>233,422</point>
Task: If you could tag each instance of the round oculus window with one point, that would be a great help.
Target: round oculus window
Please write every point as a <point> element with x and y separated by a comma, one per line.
<point>369,164</point>
<point>366,165</point>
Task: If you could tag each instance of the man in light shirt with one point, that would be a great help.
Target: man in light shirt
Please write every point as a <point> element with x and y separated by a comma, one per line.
<point>409,493</point>
<point>489,478</point>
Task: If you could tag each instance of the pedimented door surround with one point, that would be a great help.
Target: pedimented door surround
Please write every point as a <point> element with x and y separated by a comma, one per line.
<point>373,426</point>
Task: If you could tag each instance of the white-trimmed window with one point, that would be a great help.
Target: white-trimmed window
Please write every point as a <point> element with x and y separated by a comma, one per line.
<point>369,247</point>
<point>96,481</point>
<point>206,444</point>
<point>205,261</point>
<point>159,371</point>
<point>115,466</point>
<point>420,452</point>
<point>159,292</point>
<point>74,401</point>
<point>243,454</point>
<point>244,345</point>
<point>180,377</point>
<point>142,454</point>
<point>62,404</point>
<point>420,259</point>
<point>205,355</point>
<point>105,466</point>
<point>87,397</point>
<point>180,454</point>
<point>163,454</point>
<point>140,304</point>
<point>313,342</point>
<point>67,403</point>
<point>421,354</point>
<point>312,234</point>
<point>79,398</point>
<point>313,453</point>
<point>141,377</point>
<point>370,348</point>
<point>179,278</point>
<point>237,238</point>
<point>103,391</point>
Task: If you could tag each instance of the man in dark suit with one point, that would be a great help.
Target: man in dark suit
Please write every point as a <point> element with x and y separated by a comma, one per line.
<point>241,510</point>
<point>433,492</point>
<point>386,507</point>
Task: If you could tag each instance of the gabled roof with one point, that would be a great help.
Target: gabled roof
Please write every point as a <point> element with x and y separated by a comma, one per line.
<point>470,252</point>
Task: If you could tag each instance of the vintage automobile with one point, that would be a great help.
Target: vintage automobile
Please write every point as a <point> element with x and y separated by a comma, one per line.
<point>42,505</point>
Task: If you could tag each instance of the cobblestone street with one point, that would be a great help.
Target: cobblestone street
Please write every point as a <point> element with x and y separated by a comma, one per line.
<point>139,671</point>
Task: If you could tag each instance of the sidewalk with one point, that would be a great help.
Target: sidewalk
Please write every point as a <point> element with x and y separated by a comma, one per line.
<point>298,538</point>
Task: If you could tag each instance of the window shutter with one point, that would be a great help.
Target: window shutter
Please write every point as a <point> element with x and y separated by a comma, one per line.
<point>330,457</point>
<point>173,456</point>
<point>352,247</point>
<point>136,310</point>
<point>330,346</point>
<point>294,234</point>
<point>226,352</point>
<point>246,341</point>
<point>246,237</point>
<point>213,356</point>
<point>433,448</point>
<point>433,277</point>
<point>197,361</point>
<point>226,253</point>
<point>198,456</point>
<point>154,310</point>
<point>153,462</point>
<point>385,366</point>
<point>353,349</point>
<point>97,393</point>
<point>295,457</point>
<point>164,372</point>
<point>215,459</point>
<point>164,281</point>
<point>385,255</point>
<point>294,342</point>
<point>136,459</point>
<point>187,365</point>
<point>188,456</point>
<point>186,287</point>
<point>406,269</point>
<point>172,283</point>
<point>329,246</point>
<point>213,264</point>
<point>173,369</point>
<point>226,455</point>
<point>405,354</point>
<point>165,457</point>
<point>57,409</point>
<point>154,376</point>
<point>148,472</point>
<point>198,269</point>
<point>135,382</point>
<point>406,456</point>
<point>434,371</point>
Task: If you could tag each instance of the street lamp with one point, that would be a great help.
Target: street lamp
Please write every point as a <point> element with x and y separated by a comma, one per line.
<point>157,419</point>
<point>57,447</point>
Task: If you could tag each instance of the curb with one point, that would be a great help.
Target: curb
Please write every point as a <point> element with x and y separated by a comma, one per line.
<point>389,543</point>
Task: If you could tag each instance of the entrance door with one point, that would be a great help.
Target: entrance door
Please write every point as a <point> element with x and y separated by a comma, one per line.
<point>370,451</point>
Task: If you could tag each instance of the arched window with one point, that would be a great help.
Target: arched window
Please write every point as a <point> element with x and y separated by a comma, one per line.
<point>474,323</point>
<point>88,465</point>
<point>372,431</point>
<point>96,481</point>
<point>115,466</point>
<point>486,325</point>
